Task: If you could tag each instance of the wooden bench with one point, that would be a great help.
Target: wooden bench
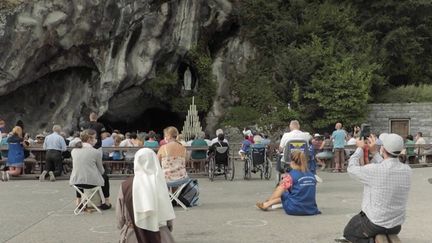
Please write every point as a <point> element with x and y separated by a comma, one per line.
<point>387,239</point>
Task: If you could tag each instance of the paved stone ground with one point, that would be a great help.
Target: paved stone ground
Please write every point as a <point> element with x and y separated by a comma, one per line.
<point>32,211</point>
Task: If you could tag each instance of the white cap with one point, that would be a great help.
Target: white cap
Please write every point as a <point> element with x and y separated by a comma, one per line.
<point>392,143</point>
<point>317,135</point>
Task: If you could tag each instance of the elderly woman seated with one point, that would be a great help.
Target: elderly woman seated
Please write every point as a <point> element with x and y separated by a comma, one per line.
<point>172,157</point>
<point>88,171</point>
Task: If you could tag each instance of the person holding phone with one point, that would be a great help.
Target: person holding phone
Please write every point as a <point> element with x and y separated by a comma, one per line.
<point>386,183</point>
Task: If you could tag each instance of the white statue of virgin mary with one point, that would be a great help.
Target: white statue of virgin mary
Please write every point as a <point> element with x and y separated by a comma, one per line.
<point>187,79</point>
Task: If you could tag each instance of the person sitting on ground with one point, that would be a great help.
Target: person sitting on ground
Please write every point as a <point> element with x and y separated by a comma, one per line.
<point>54,145</point>
<point>172,157</point>
<point>386,186</point>
<point>297,189</point>
<point>144,211</point>
<point>325,151</point>
<point>15,158</point>
<point>245,147</point>
<point>151,141</point>
<point>87,168</point>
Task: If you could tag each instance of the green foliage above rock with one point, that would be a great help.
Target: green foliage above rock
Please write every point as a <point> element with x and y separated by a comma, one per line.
<point>329,59</point>
<point>409,93</point>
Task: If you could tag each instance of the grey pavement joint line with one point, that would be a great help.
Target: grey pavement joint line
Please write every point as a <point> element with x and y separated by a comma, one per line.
<point>36,223</point>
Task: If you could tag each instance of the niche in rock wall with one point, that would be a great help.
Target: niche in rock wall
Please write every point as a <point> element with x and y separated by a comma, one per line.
<point>188,78</point>
<point>55,98</point>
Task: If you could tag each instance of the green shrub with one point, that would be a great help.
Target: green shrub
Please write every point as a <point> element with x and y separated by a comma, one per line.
<point>403,94</point>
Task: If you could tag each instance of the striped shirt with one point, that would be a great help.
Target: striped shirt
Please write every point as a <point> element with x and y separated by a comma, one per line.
<point>386,186</point>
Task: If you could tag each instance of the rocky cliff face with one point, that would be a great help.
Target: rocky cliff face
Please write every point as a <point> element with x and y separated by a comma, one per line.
<point>59,59</point>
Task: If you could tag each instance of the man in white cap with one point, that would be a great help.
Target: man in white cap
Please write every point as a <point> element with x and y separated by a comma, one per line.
<point>386,185</point>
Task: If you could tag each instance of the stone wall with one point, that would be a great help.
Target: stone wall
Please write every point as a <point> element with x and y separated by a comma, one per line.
<point>419,114</point>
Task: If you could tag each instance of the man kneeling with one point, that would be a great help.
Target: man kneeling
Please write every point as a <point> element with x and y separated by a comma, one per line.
<point>386,185</point>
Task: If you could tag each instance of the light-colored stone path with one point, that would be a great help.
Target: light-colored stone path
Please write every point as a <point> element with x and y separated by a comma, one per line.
<point>32,211</point>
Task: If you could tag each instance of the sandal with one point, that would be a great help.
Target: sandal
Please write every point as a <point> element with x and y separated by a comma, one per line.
<point>261,206</point>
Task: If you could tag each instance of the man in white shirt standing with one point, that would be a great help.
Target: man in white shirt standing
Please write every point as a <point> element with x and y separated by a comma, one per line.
<point>420,141</point>
<point>386,185</point>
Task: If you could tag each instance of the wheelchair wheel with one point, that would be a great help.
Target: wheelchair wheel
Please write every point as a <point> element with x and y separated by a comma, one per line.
<point>211,168</point>
<point>247,168</point>
<point>229,170</point>
<point>267,169</point>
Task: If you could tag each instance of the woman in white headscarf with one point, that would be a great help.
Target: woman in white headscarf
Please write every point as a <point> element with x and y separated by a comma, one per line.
<point>144,211</point>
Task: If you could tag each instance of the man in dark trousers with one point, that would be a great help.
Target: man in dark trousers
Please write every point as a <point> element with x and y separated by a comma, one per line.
<point>55,145</point>
<point>97,126</point>
<point>386,183</point>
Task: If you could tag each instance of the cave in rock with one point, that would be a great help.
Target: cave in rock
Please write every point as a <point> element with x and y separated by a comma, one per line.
<point>56,98</point>
<point>155,119</point>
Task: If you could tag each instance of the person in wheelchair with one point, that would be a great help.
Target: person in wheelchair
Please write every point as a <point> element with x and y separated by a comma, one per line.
<point>257,153</point>
<point>244,149</point>
<point>220,157</point>
<point>297,189</point>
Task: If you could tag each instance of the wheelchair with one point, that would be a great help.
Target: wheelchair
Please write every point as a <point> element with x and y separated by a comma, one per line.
<point>220,163</point>
<point>284,159</point>
<point>257,161</point>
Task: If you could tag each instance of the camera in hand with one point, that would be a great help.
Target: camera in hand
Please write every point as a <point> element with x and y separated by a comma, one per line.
<point>365,130</point>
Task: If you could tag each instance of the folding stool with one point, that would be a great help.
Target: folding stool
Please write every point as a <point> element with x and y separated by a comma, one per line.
<point>176,194</point>
<point>86,198</point>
